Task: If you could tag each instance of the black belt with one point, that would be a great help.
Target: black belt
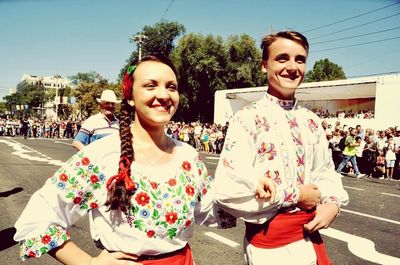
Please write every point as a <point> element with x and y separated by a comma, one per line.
<point>144,257</point>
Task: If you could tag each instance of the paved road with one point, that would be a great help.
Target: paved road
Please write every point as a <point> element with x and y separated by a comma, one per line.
<point>366,232</point>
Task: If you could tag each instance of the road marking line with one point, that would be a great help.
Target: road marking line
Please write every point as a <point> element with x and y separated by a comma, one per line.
<point>361,247</point>
<point>353,188</point>
<point>58,142</point>
<point>222,239</point>
<point>389,194</point>
<point>371,216</point>
<point>212,157</point>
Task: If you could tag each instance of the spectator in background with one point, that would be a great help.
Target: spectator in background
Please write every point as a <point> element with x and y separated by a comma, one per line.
<point>369,156</point>
<point>349,153</point>
<point>390,157</point>
<point>101,124</point>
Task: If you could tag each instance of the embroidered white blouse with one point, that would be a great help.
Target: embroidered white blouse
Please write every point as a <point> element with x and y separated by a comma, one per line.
<point>169,198</point>
<point>280,140</point>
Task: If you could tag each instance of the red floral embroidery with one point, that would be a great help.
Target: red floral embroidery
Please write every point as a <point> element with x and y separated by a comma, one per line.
<point>94,205</point>
<point>204,191</point>
<point>77,200</point>
<point>189,190</point>
<point>46,239</point>
<point>200,172</point>
<point>172,182</point>
<point>150,233</point>
<point>188,222</point>
<point>94,179</point>
<point>32,254</point>
<point>154,185</point>
<point>186,166</point>
<point>142,198</point>
<point>63,177</point>
<point>85,161</point>
<point>171,217</point>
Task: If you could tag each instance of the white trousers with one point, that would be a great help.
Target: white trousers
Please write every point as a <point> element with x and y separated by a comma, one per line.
<point>299,253</point>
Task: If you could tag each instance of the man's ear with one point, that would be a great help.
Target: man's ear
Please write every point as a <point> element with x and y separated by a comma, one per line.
<point>264,66</point>
<point>131,103</point>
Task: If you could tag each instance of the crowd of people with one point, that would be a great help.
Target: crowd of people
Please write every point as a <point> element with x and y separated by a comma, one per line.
<point>342,114</point>
<point>30,127</point>
<point>363,151</point>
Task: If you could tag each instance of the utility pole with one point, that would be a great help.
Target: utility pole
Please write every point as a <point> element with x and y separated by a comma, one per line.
<point>139,38</point>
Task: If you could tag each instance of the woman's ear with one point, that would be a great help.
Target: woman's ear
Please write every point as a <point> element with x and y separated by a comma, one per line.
<point>131,103</point>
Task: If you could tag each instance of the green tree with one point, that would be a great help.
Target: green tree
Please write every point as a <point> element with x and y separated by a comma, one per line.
<point>325,70</point>
<point>160,39</point>
<point>244,69</point>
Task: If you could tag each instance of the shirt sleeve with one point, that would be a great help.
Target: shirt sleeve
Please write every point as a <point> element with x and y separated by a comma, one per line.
<point>323,174</point>
<point>65,197</point>
<point>236,178</point>
<point>206,211</point>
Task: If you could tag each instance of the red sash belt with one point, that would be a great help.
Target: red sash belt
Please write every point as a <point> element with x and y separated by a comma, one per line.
<point>180,257</point>
<point>286,228</point>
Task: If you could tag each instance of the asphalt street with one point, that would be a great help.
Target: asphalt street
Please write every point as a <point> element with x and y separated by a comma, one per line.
<point>366,232</point>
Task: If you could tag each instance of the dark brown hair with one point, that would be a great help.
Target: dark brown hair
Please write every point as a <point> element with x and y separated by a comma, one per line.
<point>119,198</point>
<point>290,35</point>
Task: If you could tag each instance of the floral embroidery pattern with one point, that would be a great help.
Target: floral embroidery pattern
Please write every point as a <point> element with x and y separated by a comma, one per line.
<point>275,177</point>
<point>299,148</point>
<point>262,123</point>
<point>165,209</point>
<point>74,178</point>
<point>266,150</point>
<point>312,125</point>
<point>290,197</point>
<point>35,247</point>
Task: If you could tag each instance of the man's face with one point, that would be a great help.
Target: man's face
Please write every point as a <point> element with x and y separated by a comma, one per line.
<point>107,108</point>
<point>285,67</point>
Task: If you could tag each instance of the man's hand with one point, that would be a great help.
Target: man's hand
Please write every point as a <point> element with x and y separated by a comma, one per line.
<point>266,189</point>
<point>310,197</point>
<point>325,214</point>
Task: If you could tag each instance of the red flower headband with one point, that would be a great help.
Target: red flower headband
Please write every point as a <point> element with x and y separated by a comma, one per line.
<point>128,82</point>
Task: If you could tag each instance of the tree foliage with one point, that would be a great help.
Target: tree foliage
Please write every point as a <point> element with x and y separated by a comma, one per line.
<point>201,62</point>
<point>206,64</point>
<point>325,70</point>
<point>160,39</point>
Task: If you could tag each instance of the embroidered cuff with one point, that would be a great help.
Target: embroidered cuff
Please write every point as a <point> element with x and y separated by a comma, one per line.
<point>335,200</point>
<point>290,196</point>
<point>35,247</point>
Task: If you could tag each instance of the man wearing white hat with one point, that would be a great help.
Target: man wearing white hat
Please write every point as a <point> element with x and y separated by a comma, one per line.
<point>101,124</point>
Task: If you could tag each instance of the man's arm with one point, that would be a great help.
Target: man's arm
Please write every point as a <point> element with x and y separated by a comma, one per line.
<point>78,145</point>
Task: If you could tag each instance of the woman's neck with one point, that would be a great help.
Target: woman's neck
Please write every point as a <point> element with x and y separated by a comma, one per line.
<point>149,136</point>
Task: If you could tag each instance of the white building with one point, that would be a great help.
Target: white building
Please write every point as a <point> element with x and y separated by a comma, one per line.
<point>379,93</point>
<point>50,84</point>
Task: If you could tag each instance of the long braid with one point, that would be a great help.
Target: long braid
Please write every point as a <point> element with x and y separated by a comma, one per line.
<point>118,195</point>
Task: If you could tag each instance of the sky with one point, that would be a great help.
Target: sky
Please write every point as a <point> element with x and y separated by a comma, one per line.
<point>50,37</point>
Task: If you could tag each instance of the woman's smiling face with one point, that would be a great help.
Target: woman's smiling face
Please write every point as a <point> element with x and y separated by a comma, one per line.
<point>155,93</point>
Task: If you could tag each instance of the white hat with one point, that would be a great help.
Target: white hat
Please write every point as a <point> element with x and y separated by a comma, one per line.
<point>109,96</point>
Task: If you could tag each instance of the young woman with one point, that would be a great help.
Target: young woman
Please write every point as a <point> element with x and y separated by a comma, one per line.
<point>144,189</point>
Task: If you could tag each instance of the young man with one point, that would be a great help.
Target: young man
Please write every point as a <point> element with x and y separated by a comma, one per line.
<point>275,138</point>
